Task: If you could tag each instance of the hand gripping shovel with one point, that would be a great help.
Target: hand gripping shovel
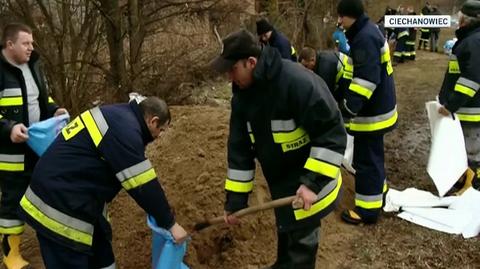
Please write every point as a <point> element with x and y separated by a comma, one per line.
<point>295,201</point>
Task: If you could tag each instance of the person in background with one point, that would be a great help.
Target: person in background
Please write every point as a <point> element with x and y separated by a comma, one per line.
<point>269,36</point>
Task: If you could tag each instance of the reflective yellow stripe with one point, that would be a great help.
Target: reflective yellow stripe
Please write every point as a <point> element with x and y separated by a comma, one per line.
<point>465,90</point>
<point>293,50</point>
<point>321,204</point>
<point>139,179</point>
<point>468,117</point>
<point>55,226</point>
<point>397,54</point>
<point>92,127</point>
<point>73,128</point>
<point>290,136</point>
<point>12,167</point>
<point>385,187</point>
<point>237,186</point>
<point>369,204</point>
<point>360,90</point>
<point>402,34</point>
<point>50,100</point>
<point>323,168</point>
<point>296,144</point>
<point>375,126</point>
<point>11,101</point>
<point>1,116</point>
<point>252,138</point>
<point>347,69</point>
<point>12,230</point>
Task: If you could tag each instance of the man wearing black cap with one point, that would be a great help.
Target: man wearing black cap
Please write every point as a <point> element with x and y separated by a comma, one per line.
<point>284,116</point>
<point>269,36</point>
<point>368,108</point>
<point>459,92</point>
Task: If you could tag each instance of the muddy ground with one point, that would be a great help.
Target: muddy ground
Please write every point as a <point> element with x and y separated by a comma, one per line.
<point>191,163</point>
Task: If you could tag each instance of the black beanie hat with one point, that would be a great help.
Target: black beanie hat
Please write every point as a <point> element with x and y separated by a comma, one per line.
<point>350,8</point>
<point>471,8</point>
<point>263,26</point>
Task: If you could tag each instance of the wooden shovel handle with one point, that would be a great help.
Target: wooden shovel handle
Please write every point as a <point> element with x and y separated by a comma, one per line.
<point>290,200</point>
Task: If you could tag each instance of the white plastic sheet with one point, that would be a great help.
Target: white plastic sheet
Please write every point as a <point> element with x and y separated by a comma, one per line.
<point>451,214</point>
<point>448,157</point>
<point>348,156</point>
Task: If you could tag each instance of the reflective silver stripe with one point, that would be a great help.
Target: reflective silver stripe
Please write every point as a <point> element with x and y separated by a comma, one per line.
<point>453,57</point>
<point>105,211</point>
<point>327,189</point>
<point>283,125</point>
<point>350,60</point>
<point>469,83</point>
<point>111,266</point>
<point>369,198</point>
<point>6,223</point>
<point>365,83</point>
<point>325,154</point>
<point>469,110</point>
<point>249,127</point>
<point>58,216</point>
<point>240,175</point>
<point>10,92</point>
<point>341,56</point>
<point>12,158</point>
<point>374,119</point>
<point>134,170</point>
<point>385,48</point>
<point>99,120</point>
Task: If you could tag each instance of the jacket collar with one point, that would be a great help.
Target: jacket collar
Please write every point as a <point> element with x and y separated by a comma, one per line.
<point>146,135</point>
<point>356,27</point>
<point>464,32</point>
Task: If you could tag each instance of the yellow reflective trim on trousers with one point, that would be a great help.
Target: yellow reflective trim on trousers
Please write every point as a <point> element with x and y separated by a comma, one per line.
<point>290,136</point>
<point>360,90</point>
<point>453,67</point>
<point>12,230</point>
<point>465,90</point>
<point>54,225</point>
<point>319,205</point>
<point>323,168</point>
<point>252,138</point>
<point>139,179</point>
<point>92,128</point>
<point>50,100</point>
<point>11,101</point>
<point>385,188</point>
<point>12,167</point>
<point>366,127</point>
<point>293,50</point>
<point>467,117</point>
<point>369,204</point>
<point>237,186</point>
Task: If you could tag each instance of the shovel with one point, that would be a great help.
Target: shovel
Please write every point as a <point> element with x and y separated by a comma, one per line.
<point>295,201</point>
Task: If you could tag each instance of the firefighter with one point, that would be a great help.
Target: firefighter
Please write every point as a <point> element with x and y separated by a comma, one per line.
<point>24,100</point>
<point>425,32</point>
<point>283,115</point>
<point>330,66</point>
<point>269,36</point>
<point>459,92</point>
<point>95,156</point>
<point>401,52</point>
<point>412,37</point>
<point>369,109</point>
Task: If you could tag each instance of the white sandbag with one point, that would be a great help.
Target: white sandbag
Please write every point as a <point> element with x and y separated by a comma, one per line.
<point>448,157</point>
<point>411,197</point>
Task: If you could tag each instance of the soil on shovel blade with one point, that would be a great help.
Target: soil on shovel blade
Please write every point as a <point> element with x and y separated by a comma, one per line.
<point>190,161</point>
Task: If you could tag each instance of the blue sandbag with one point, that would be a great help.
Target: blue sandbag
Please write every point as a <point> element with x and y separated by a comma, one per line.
<point>165,253</point>
<point>41,134</point>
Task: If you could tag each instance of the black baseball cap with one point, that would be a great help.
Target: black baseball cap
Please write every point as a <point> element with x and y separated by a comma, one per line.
<point>236,46</point>
<point>471,8</point>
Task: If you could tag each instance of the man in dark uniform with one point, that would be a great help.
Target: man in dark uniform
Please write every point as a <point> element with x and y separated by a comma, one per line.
<point>270,36</point>
<point>284,116</point>
<point>459,92</point>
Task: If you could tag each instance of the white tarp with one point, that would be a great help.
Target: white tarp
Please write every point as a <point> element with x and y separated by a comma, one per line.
<point>452,214</point>
<point>448,157</point>
<point>348,156</point>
